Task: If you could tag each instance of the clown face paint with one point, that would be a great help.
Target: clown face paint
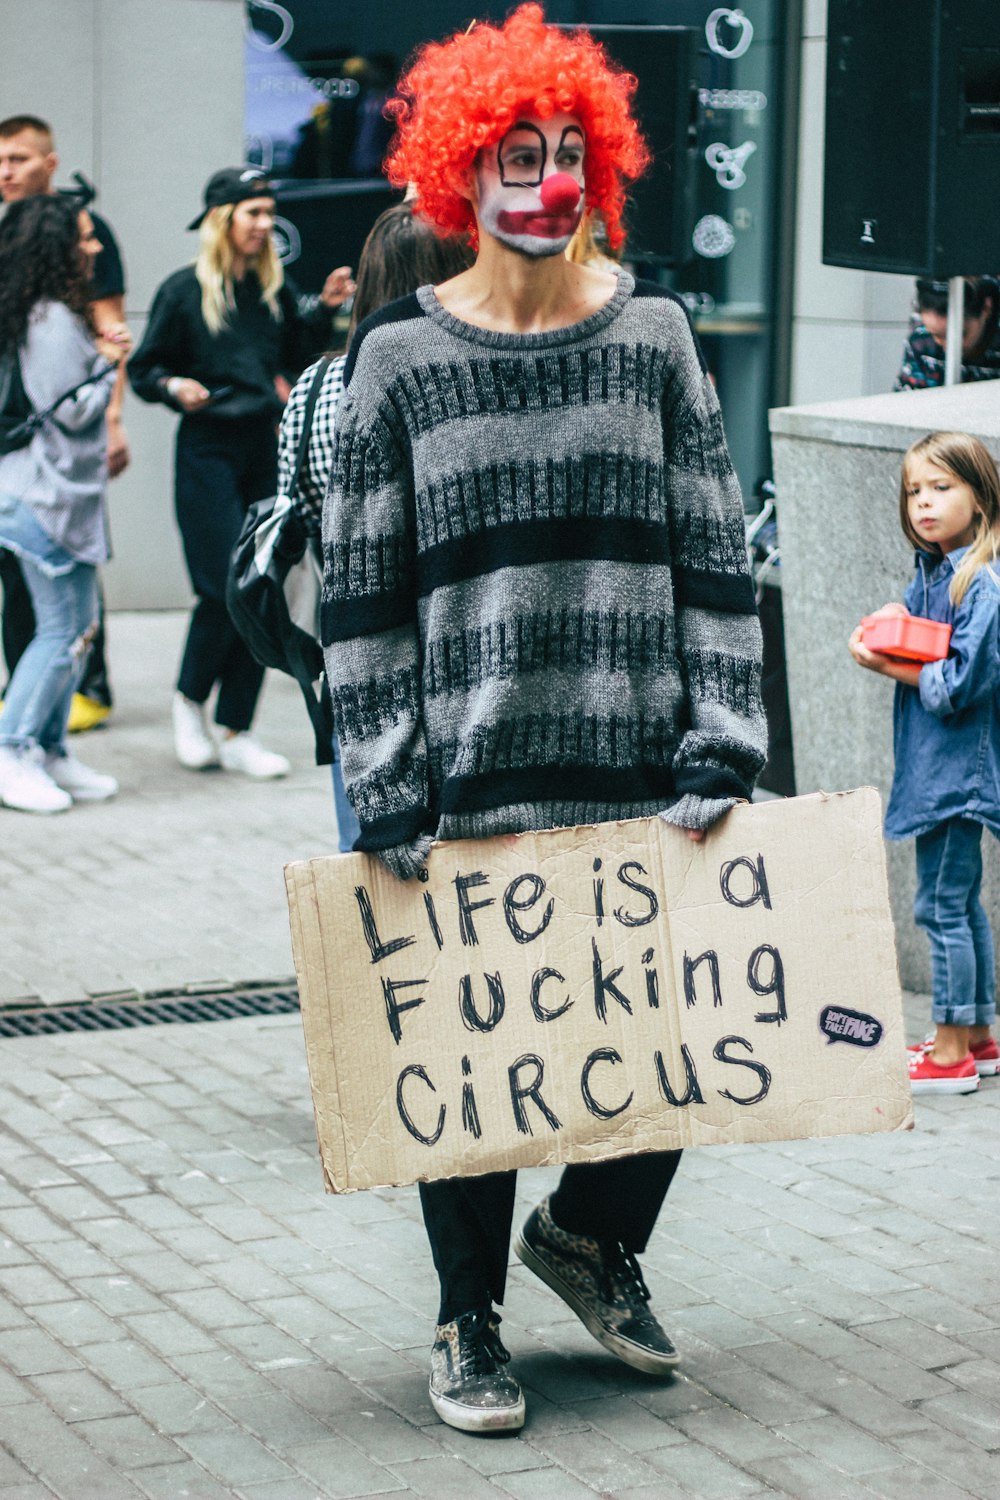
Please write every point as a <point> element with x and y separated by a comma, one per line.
<point>509,178</point>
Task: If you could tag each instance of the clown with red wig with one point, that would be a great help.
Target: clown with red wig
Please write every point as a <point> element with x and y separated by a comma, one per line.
<point>537,611</point>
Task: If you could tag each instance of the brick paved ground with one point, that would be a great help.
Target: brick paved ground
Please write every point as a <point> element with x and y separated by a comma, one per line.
<point>182,1313</point>
<point>183,1316</point>
<point>179,879</point>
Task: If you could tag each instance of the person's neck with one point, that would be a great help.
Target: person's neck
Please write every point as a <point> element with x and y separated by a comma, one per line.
<point>511,293</point>
<point>240,265</point>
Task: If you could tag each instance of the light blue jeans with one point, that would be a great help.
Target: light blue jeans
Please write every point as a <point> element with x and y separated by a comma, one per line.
<point>948,908</point>
<point>64,595</point>
<point>348,827</point>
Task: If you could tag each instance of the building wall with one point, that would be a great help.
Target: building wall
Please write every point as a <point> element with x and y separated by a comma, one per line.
<point>146,99</point>
<point>848,327</point>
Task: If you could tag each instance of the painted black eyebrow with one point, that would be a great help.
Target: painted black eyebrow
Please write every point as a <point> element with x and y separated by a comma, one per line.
<point>572,130</point>
<point>531,130</point>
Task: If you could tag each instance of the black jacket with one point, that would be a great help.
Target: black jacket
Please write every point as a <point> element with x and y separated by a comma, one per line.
<point>247,353</point>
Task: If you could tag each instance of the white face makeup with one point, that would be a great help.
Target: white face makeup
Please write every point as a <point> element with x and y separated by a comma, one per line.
<point>511,205</point>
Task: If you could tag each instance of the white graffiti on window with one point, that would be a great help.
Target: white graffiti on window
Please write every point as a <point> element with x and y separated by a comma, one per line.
<point>262,40</point>
<point>713,237</point>
<point>734,18</point>
<point>727,162</point>
<point>732,99</point>
<point>287,241</point>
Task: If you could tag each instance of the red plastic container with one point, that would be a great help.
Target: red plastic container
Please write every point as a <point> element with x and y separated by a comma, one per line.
<point>910,637</point>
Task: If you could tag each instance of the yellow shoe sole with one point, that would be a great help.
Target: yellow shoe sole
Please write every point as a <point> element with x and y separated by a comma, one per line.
<point>85,714</point>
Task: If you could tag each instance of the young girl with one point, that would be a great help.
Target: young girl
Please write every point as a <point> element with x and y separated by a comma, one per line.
<point>946,786</point>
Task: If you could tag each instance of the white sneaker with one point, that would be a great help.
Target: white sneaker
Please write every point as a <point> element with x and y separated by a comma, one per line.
<point>25,785</point>
<point>194,745</point>
<point>83,783</point>
<point>242,753</point>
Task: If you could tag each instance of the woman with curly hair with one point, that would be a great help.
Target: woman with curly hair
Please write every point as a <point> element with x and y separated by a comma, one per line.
<point>537,611</point>
<point>224,338</point>
<point>52,492</point>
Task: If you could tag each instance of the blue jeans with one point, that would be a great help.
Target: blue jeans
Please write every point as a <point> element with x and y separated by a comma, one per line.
<point>64,597</point>
<point>348,827</point>
<point>948,908</point>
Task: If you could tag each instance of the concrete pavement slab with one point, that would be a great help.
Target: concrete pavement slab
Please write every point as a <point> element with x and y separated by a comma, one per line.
<point>184,1316</point>
<point>180,1336</point>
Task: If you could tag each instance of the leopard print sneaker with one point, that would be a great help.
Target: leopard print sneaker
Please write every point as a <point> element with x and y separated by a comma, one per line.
<point>602,1283</point>
<point>469,1388</point>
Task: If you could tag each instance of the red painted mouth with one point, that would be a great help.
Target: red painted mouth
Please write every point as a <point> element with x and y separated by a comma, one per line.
<point>544,226</point>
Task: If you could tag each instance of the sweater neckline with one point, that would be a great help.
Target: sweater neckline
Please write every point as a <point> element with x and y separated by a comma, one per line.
<point>494,339</point>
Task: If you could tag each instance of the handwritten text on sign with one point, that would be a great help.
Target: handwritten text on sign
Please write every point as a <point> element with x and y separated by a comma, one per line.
<point>588,992</point>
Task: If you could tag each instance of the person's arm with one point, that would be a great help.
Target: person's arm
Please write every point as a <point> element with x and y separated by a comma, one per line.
<point>718,633</point>
<point>370,638</point>
<point>970,673</point>
<point>906,672</point>
<point>57,354</point>
<point>337,287</point>
<point>308,321</point>
<point>157,369</point>
<point>108,314</point>
<point>290,431</point>
<point>314,477</point>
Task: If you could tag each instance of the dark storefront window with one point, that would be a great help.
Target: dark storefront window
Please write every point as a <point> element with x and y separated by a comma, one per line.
<point>317,75</point>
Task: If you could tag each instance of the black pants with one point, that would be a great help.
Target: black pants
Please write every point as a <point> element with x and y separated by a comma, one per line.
<point>19,629</point>
<point>222,468</point>
<point>468,1220</point>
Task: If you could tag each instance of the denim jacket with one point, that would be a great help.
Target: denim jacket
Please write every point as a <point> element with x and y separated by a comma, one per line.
<point>947,730</point>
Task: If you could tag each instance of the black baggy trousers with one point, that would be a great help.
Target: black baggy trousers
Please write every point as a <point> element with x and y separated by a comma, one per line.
<point>468,1220</point>
<point>222,467</point>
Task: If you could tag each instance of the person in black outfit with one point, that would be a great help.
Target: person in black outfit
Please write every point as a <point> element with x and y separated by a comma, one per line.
<point>28,164</point>
<point>223,338</point>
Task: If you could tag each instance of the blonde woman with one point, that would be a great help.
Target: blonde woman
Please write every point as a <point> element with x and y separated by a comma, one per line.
<point>224,338</point>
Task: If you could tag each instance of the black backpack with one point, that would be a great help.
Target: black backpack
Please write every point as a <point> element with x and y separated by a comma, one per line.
<point>273,589</point>
<point>16,411</point>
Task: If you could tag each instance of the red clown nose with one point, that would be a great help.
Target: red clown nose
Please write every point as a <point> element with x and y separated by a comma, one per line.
<point>560,193</point>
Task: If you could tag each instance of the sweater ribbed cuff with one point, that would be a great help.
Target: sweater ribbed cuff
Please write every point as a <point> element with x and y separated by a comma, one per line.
<point>697,812</point>
<point>406,860</point>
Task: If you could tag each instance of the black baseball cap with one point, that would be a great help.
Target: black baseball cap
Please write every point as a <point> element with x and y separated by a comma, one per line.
<point>234,185</point>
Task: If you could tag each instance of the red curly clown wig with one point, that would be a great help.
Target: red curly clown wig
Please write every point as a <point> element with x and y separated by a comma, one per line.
<point>466,93</point>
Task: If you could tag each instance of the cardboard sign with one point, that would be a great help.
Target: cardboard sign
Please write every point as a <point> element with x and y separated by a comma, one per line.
<point>594,992</point>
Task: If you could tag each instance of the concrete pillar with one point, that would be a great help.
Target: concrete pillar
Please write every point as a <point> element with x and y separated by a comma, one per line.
<point>843,554</point>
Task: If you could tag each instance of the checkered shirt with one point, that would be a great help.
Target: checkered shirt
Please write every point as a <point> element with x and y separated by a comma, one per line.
<point>319,455</point>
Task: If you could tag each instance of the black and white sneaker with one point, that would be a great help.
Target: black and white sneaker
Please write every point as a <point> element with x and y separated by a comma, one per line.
<point>469,1386</point>
<point>602,1283</point>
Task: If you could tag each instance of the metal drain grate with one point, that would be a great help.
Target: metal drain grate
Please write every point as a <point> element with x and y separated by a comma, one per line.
<point>225,1005</point>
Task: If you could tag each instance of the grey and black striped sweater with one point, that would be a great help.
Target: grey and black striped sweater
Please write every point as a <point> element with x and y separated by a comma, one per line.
<point>536,607</point>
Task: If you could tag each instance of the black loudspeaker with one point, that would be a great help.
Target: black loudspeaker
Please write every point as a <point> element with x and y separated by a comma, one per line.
<point>322,225</point>
<point>659,216</point>
<point>912,169</point>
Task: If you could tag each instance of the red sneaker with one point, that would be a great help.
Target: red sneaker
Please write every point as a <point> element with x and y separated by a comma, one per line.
<point>985,1054</point>
<point>987,1058</point>
<point>927,1077</point>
